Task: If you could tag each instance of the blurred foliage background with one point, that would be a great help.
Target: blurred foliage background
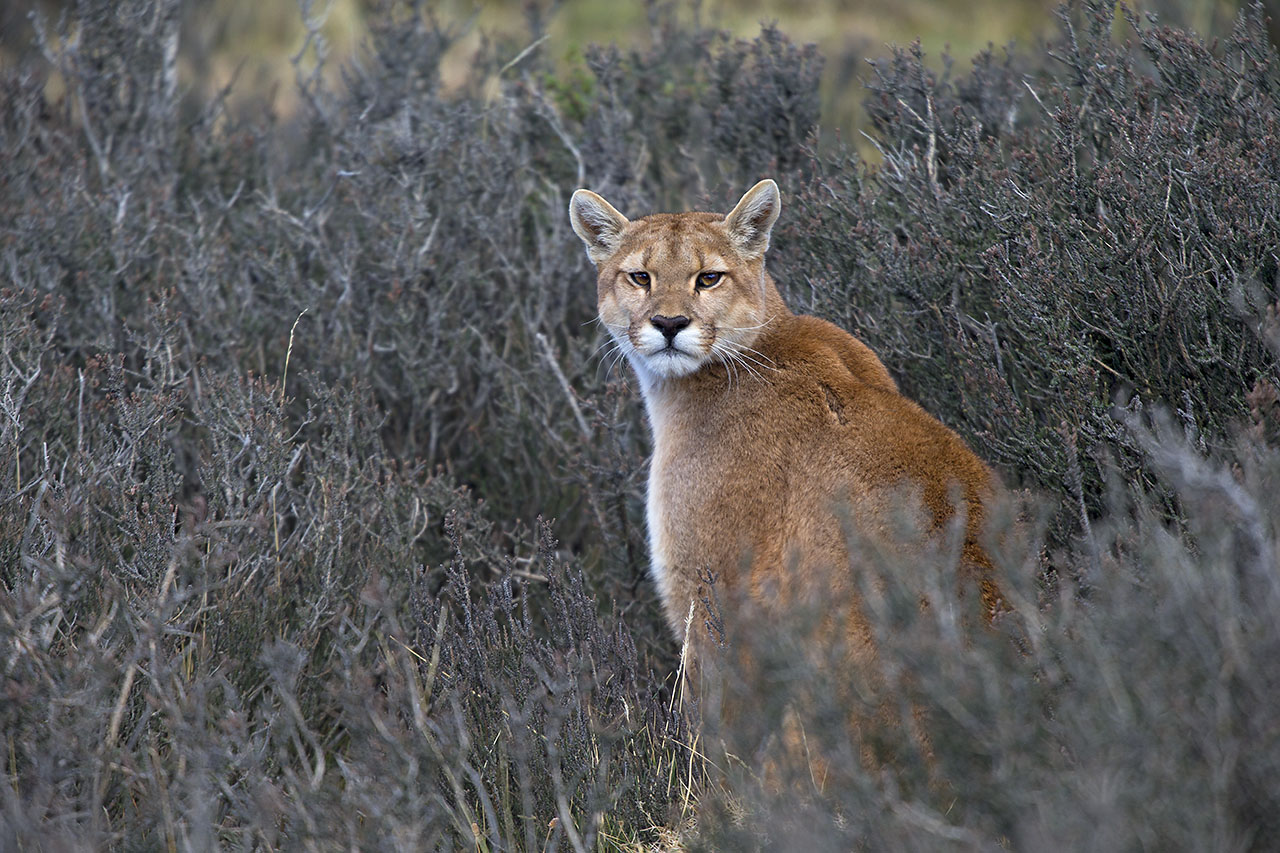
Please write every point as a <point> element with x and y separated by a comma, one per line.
<point>253,41</point>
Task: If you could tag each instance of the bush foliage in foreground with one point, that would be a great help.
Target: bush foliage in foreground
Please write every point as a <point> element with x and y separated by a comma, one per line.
<point>320,523</point>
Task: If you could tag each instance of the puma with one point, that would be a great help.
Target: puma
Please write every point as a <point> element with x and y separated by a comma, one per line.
<point>771,430</point>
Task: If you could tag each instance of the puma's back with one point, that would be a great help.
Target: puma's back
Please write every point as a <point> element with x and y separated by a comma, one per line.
<point>770,429</point>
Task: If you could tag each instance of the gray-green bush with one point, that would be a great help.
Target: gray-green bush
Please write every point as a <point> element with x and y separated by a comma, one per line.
<point>320,522</point>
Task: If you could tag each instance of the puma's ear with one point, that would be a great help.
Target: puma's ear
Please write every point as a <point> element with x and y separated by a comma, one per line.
<point>751,221</point>
<point>597,223</point>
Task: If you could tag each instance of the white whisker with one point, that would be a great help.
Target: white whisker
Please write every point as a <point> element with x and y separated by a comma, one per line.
<point>733,362</point>
<point>619,355</point>
<point>729,371</point>
<point>748,367</point>
<point>740,366</point>
<point>607,342</point>
<point>749,328</point>
<point>755,373</point>
<point>732,365</point>
<point>743,348</point>
<point>610,352</point>
<point>760,367</point>
<point>756,366</point>
<point>754,356</point>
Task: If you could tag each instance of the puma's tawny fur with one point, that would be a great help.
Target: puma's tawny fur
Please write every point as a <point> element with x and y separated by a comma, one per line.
<point>768,427</point>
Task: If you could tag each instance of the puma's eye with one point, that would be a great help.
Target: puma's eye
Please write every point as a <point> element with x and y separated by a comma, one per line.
<point>640,279</point>
<point>709,279</point>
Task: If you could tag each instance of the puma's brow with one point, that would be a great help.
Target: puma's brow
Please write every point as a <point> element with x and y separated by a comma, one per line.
<point>639,260</point>
<point>635,261</point>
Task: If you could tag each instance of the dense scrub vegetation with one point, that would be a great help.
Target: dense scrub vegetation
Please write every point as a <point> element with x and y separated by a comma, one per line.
<point>320,521</point>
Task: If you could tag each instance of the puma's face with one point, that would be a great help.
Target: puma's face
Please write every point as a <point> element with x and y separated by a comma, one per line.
<point>677,291</point>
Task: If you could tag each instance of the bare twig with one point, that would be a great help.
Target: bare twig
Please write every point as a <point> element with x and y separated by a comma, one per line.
<point>564,383</point>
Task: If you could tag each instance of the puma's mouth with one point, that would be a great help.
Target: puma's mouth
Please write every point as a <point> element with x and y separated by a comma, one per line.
<point>674,349</point>
<point>671,360</point>
<point>658,356</point>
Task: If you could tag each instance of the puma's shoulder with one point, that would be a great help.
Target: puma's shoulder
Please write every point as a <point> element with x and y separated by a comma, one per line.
<point>873,429</point>
<point>829,347</point>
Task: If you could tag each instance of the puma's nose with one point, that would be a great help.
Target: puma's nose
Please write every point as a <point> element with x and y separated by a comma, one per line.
<point>669,326</point>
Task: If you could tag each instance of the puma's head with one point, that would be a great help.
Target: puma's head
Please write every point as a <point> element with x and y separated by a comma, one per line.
<point>680,290</point>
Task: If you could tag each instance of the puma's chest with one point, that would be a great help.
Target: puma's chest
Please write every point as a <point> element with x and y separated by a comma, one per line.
<point>712,498</point>
<point>686,529</point>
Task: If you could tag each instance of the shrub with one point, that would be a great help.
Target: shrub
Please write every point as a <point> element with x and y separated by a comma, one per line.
<point>1138,713</point>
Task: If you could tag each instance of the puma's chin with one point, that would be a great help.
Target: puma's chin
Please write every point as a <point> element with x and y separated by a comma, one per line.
<point>670,363</point>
